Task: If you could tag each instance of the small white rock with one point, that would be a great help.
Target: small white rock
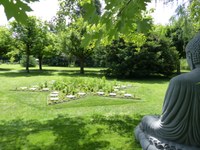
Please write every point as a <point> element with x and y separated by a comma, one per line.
<point>70,96</point>
<point>127,95</point>
<point>54,92</point>
<point>81,93</point>
<point>112,94</point>
<point>53,95</point>
<point>23,88</point>
<point>45,89</point>
<point>54,98</point>
<point>100,93</point>
<point>33,89</point>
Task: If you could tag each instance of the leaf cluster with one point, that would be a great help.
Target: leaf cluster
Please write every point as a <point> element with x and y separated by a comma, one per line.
<point>111,21</point>
<point>17,9</point>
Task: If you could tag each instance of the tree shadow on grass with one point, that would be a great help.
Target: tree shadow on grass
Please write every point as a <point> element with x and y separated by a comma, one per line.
<point>66,133</point>
<point>70,73</point>
<point>4,69</point>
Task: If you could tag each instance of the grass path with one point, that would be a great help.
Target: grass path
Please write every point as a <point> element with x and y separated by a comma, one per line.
<point>27,122</point>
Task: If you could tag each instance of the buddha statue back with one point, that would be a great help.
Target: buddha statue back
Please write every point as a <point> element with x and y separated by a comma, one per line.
<point>178,127</point>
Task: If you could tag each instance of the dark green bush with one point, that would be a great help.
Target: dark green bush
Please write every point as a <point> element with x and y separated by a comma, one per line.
<point>156,56</point>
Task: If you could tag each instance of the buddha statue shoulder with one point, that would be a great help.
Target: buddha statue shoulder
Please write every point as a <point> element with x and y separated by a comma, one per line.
<point>178,127</point>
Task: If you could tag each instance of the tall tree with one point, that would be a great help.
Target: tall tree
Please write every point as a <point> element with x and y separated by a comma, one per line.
<point>76,29</point>
<point>27,34</point>
<point>75,48</point>
<point>43,44</point>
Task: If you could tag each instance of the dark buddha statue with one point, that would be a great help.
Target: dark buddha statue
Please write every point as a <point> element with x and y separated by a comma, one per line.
<point>178,127</point>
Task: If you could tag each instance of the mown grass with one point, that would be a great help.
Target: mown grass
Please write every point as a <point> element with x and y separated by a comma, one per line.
<point>91,123</point>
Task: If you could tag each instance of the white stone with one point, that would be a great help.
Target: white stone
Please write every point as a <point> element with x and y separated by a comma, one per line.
<point>70,96</point>
<point>81,93</point>
<point>100,93</point>
<point>127,95</point>
<point>53,95</point>
<point>112,94</point>
<point>54,92</point>
<point>54,98</point>
<point>23,88</point>
<point>33,89</point>
<point>45,89</point>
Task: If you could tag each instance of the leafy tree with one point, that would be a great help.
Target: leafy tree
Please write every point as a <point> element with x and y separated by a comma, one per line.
<point>77,50</point>
<point>6,42</point>
<point>44,42</point>
<point>195,14</point>
<point>73,42</point>
<point>27,34</point>
<point>184,25</point>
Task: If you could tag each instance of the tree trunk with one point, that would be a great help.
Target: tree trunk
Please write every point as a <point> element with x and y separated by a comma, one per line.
<point>82,66</point>
<point>27,58</point>
<point>40,63</point>
<point>178,68</point>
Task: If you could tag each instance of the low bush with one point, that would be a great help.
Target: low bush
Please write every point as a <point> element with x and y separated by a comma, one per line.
<point>32,61</point>
<point>156,56</point>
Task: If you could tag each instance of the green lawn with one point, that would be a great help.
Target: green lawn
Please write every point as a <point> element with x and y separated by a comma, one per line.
<point>91,123</point>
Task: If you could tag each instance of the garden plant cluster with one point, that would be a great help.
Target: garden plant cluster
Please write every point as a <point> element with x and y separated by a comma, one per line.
<point>75,88</point>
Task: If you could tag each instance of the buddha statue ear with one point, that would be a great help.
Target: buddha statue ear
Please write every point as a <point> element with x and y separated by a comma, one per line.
<point>189,60</point>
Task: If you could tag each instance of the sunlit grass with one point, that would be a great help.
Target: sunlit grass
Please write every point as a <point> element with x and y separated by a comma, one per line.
<point>27,122</point>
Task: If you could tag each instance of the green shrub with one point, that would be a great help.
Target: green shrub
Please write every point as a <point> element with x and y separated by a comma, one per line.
<point>184,64</point>
<point>32,61</point>
<point>156,56</point>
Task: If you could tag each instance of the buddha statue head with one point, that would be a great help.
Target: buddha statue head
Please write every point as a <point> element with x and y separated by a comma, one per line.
<point>193,52</point>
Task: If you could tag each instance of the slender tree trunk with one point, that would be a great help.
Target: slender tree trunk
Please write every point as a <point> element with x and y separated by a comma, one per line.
<point>40,63</point>
<point>179,67</point>
<point>27,58</point>
<point>82,66</point>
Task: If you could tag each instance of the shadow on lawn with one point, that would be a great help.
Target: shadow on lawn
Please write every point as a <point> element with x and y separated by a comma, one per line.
<point>72,73</point>
<point>65,133</point>
<point>4,69</point>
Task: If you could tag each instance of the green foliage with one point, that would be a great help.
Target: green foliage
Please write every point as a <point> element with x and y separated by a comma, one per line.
<point>186,18</point>
<point>17,9</point>
<point>32,61</point>
<point>117,18</point>
<point>195,14</point>
<point>44,44</point>
<point>56,60</point>
<point>35,38</point>
<point>6,42</point>
<point>74,86</point>
<point>119,58</point>
<point>156,56</point>
<point>175,33</point>
<point>184,64</point>
<point>27,34</point>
